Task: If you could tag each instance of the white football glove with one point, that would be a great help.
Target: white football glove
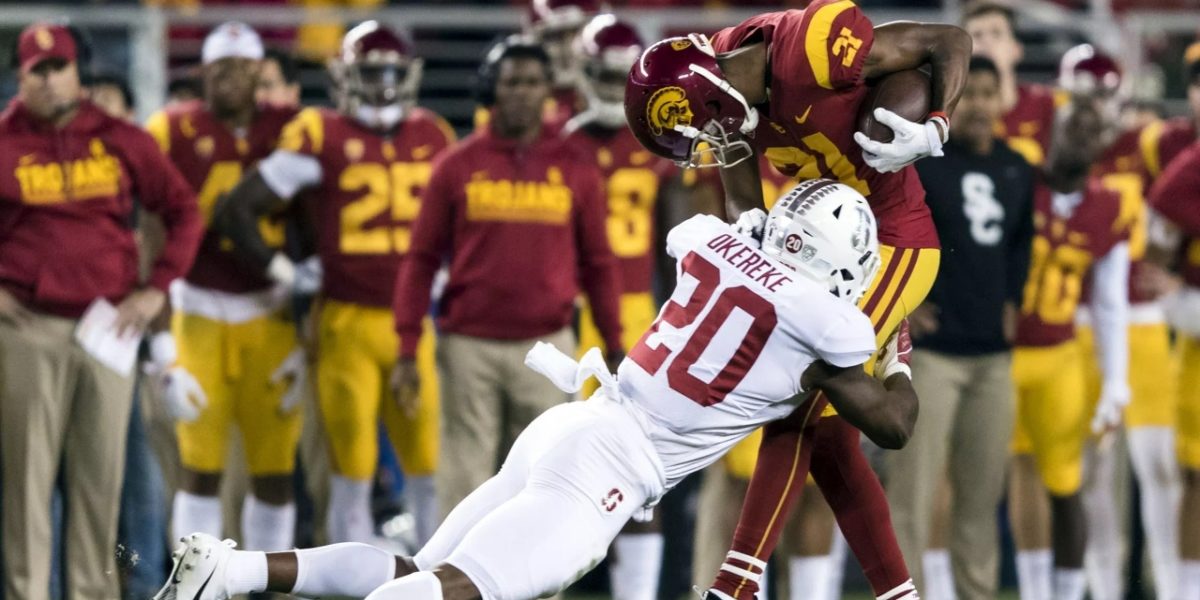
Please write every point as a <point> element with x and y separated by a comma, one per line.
<point>182,394</point>
<point>895,354</point>
<point>293,371</point>
<point>1114,397</point>
<point>752,223</point>
<point>911,141</point>
<point>303,278</point>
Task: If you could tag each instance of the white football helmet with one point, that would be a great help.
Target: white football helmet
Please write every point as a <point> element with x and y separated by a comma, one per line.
<point>825,231</point>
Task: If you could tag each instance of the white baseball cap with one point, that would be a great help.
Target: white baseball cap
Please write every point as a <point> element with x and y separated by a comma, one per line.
<point>232,39</point>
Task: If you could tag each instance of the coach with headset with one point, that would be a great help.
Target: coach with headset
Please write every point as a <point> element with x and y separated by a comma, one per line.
<point>520,217</point>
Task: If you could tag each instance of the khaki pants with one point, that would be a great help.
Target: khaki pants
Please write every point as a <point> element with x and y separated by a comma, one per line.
<point>488,397</point>
<point>59,406</point>
<point>964,431</point>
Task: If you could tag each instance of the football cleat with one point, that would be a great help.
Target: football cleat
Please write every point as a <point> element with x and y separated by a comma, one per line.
<point>199,571</point>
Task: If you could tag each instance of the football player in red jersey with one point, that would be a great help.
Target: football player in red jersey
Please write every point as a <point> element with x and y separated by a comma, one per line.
<point>360,170</point>
<point>789,86</point>
<point>1175,237</point>
<point>237,361</point>
<point>1028,108</point>
<point>557,24</point>
<point>633,177</point>
<point>1149,419</point>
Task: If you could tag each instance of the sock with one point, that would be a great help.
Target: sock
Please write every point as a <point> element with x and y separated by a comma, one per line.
<point>1069,584</point>
<point>347,569</point>
<point>1152,451</point>
<point>268,527</point>
<point>939,578</point>
<point>348,518</point>
<point>195,514</point>
<point>1034,568</point>
<point>809,576</point>
<point>246,573</point>
<point>837,566</point>
<point>634,573</point>
<point>761,594</point>
<point>1104,553</point>
<point>904,591</point>
<point>1189,579</point>
<point>421,500</point>
<point>422,585</point>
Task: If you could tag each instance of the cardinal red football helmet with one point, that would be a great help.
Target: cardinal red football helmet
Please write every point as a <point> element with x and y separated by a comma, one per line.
<point>680,106</point>
<point>608,47</point>
<point>1085,69</point>
<point>376,75</point>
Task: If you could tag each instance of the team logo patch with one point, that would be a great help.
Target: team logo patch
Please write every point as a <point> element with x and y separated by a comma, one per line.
<point>678,45</point>
<point>612,500</point>
<point>44,39</point>
<point>668,108</point>
<point>205,146</point>
<point>793,243</point>
<point>354,150</point>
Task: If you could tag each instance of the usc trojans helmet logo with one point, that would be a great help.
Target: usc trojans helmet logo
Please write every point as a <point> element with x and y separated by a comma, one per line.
<point>667,108</point>
<point>678,45</point>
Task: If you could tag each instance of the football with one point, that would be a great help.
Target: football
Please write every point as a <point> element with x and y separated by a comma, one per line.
<point>905,93</point>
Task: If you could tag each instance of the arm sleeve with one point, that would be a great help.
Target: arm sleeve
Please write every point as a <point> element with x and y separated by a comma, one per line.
<point>848,340</point>
<point>287,172</point>
<point>1020,247</point>
<point>164,192</point>
<point>598,266</point>
<point>1176,195</point>
<point>431,237</point>
<point>837,38</point>
<point>1110,310</point>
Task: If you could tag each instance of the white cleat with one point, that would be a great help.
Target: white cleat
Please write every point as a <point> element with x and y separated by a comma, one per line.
<point>199,571</point>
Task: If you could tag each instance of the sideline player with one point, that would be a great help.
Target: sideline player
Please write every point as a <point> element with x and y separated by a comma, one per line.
<point>237,361</point>
<point>634,179</point>
<point>788,86</point>
<point>721,360</point>
<point>360,170</point>
<point>1079,229</point>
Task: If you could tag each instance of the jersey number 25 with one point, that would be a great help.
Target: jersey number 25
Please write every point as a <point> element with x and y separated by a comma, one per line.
<point>682,312</point>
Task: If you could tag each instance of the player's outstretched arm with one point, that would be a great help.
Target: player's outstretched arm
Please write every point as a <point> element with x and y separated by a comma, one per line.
<point>906,45</point>
<point>886,412</point>
<point>236,216</point>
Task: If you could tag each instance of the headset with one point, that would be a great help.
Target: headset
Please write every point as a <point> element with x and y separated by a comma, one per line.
<point>513,46</point>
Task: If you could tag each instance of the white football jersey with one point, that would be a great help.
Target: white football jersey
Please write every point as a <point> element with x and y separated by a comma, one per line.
<point>726,354</point>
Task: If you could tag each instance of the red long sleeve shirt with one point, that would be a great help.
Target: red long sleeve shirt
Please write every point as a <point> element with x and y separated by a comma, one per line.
<point>66,202</point>
<point>523,228</point>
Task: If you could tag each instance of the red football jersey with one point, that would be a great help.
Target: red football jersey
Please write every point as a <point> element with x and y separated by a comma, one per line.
<point>633,177</point>
<point>1176,196</point>
<point>1072,231</point>
<point>369,195</point>
<point>213,158</point>
<point>816,61</point>
<point>1028,125</point>
<point>1122,169</point>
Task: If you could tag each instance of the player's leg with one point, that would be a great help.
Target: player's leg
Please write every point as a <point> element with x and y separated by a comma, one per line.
<point>1150,431</point>
<point>416,437</point>
<point>270,433</point>
<point>349,383</point>
<point>636,559</point>
<point>1189,458</point>
<point>916,472</point>
<point>1028,505</point>
<point>1059,428</point>
<point>203,443</point>
<point>978,457</point>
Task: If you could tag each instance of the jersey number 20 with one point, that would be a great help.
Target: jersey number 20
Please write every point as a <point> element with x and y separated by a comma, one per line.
<point>677,315</point>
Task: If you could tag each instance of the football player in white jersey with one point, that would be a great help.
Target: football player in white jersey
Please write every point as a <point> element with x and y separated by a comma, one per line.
<point>752,331</point>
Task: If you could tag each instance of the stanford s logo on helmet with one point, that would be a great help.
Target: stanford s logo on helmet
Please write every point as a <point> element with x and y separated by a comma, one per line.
<point>376,75</point>
<point>680,107</point>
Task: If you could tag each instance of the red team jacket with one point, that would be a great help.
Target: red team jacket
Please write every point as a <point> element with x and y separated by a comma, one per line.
<point>522,228</point>
<point>66,204</point>
<point>633,176</point>
<point>213,159</point>
<point>816,61</point>
<point>1069,238</point>
<point>368,198</point>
